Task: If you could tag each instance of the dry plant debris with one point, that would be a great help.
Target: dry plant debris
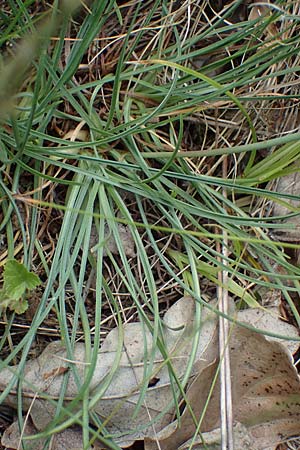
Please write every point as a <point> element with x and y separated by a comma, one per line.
<point>70,439</point>
<point>266,386</point>
<point>289,184</point>
<point>266,396</point>
<point>88,133</point>
<point>110,245</point>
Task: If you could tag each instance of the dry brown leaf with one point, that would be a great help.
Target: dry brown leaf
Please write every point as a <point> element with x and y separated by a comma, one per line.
<point>173,435</point>
<point>110,245</point>
<point>70,439</point>
<point>266,395</point>
<point>118,403</point>
<point>212,439</point>
<point>265,384</point>
<point>257,10</point>
<point>269,320</point>
<point>289,184</point>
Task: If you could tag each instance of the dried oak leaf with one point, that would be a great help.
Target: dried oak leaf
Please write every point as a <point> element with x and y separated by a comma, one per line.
<point>290,230</point>
<point>123,236</point>
<point>127,358</point>
<point>212,439</point>
<point>70,438</point>
<point>265,391</point>
<point>269,320</point>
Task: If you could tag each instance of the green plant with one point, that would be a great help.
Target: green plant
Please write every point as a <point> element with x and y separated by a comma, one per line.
<point>16,281</point>
<point>160,117</point>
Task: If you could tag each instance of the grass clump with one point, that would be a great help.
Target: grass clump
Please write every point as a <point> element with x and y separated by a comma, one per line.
<point>169,118</point>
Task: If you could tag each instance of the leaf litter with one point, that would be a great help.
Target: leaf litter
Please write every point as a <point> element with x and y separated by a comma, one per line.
<point>70,439</point>
<point>266,395</point>
<point>290,229</point>
<point>110,241</point>
<point>266,388</point>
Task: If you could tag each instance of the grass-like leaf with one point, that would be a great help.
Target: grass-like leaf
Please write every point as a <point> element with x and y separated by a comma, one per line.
<point>129,115</point>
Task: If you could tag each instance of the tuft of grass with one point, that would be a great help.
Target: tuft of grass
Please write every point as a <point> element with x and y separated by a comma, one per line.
<point>126,114</point>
